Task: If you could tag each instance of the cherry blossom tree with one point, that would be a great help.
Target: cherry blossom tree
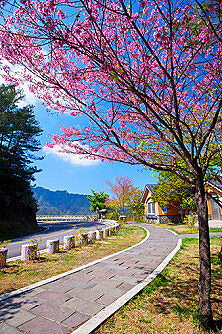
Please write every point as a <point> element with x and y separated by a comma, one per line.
<point>126,198</point>
<point>144,75</point>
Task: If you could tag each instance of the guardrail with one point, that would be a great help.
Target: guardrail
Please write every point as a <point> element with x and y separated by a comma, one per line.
<point>65,218</point>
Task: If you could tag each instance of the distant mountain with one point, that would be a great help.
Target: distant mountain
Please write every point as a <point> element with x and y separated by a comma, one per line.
<point>60,202</point>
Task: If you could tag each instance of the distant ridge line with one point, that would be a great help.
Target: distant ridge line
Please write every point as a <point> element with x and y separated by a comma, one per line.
<point>60,202</point>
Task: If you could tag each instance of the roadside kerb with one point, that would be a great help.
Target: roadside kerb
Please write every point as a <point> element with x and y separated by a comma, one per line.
<point>172,231</point>
<point>104,314</point>
<point>109,223</point>
<point>55,278</point>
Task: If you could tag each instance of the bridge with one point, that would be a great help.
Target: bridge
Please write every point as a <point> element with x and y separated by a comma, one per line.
<point>65,218</point>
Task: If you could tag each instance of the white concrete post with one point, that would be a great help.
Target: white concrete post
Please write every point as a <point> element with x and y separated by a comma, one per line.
<point>101,234</point>
<point>3,257</point>
<point>97,235</point>
<point>28,252</point>
<point>78,241</point>
<point>69,241</point>
<point>52,246</point>
<point>92,237</point>
<point>106,232</point>
<point>85,238</point>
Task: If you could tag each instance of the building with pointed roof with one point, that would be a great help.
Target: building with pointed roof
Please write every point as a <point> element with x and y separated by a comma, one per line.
<point>155,213</point>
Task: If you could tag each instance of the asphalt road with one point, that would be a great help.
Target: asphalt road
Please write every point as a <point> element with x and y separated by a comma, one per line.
<point>54,230</point>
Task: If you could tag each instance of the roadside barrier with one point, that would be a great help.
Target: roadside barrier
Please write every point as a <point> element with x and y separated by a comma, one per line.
<point>3,256</point>
<point>69,241</point>
<point>85,239</point>
<point>30,251</point>
<point>52,246</point>
<point>92,237</point>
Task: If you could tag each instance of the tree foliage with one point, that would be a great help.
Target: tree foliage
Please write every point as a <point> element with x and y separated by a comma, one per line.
<point>126,198</point>
<point>97,201</point>
<point>18,132</point>
<point>171,190</point>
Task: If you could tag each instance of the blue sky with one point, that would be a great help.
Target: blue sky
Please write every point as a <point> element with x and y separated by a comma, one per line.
<point>68,172</point>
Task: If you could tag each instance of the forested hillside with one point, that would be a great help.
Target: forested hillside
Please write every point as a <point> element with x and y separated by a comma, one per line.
<point>19,132</point>
<point>60,202</point>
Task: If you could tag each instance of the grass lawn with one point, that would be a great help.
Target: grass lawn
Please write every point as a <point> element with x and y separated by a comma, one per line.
<point>169,303</point>
<point>19,274</point>
<point>187,230</point>
<point>182,229</point>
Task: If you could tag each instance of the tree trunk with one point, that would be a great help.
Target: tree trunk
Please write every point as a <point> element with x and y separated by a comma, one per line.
<point>181,212</point>
<point>204,253</point>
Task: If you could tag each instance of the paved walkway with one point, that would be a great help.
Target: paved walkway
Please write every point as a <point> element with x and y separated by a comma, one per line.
<point>65,304</point>
<point>196,235</point>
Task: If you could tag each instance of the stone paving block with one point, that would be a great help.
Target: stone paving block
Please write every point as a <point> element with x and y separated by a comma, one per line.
<point>17,302</point>
<point>130,262</point>
<point>40,325</point>
<point>81,276</point>
<point>115,292</point>
<point>111,283</point>
<point>140,267</point>
<point>121,262</point>
<point>56,286</point>
<point>101,265</point>
<point>53,297</point>
<point>65,278</point>
<point>106,300</point>
<point>85,294</point>
<point>119,272</point>
<point>75,320</point>
<point>17,318</point>
<point>143,273</point>
<point>89,270</point>
<point>116,267</point>
<point>110,260</point>
<point>52,312</point>
<point>79,284</point>
<point>145,263</point>
<point>12,305</point>
<point>104,274</point>
<point>127,279</point>
<point>126,286</point>
<point>33,292</point>
<point>30,304</point>
<point>6,329</point>
<point>83,306</point>
<point>71,303</point>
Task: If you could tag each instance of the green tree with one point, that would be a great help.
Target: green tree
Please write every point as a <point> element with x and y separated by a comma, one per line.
<point>18,142</point>
<point>97,201</point>
<point>171,190</point>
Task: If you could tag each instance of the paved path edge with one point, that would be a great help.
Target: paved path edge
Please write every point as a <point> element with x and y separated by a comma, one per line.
<point>99,318</point>
<point>55,278</point>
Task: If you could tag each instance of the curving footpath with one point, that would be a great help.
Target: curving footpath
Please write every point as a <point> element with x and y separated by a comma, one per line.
<point>79,301</point>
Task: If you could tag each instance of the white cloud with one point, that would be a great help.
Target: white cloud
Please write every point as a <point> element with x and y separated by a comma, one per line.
<point>29,97</point>
<point>74,159</point>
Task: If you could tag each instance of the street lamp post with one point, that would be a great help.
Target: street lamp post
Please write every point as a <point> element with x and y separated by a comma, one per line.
<point>103,212</point>
<point>97,213</point>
